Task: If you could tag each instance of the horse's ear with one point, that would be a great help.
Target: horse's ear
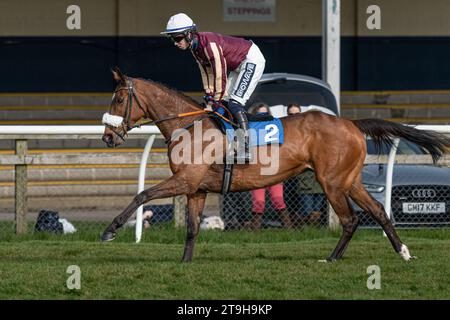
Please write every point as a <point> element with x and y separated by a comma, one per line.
<point>118,75</point>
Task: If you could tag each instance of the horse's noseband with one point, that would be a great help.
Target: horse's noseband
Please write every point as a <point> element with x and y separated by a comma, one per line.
<point>111,120</point>
<point>121,125</point>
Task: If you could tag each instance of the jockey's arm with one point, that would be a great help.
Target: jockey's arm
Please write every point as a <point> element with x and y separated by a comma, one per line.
<point>218,70</point>
<point>207,79</point>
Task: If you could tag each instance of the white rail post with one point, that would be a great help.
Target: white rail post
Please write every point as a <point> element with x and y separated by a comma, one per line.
<point>389,174</point>
<point>331,59</point>
<point>179,211</point>
<point>141,185</point>
<point>331,46</point>
<point>21,189</point>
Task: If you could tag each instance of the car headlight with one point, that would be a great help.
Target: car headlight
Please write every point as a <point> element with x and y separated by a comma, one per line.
<point>373,188</point>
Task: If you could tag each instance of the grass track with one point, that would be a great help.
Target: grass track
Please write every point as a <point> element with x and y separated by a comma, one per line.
<point>272,264</point>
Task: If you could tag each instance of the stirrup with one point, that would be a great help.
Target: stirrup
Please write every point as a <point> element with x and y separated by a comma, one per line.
<point>243,155</point>
<point>245,158</point>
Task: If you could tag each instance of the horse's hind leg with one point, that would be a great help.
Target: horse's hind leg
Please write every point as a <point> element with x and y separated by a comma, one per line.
<point>196,203</point>
<point>347,217</point>
<point>366,202</point>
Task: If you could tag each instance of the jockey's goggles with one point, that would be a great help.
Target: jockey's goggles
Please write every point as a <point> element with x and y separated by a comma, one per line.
<point>177,38</point>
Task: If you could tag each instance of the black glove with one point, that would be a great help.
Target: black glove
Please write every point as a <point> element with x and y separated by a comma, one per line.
<point>208,98</point>
<point>217,104</point>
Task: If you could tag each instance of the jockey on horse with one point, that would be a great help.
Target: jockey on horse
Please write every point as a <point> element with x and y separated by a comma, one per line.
<point>217,55</point>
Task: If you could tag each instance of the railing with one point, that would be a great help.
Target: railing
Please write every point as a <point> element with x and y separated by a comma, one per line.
<point>21,158</point>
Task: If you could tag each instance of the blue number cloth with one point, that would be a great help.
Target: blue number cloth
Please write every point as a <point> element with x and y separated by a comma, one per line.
<point>261,132</point>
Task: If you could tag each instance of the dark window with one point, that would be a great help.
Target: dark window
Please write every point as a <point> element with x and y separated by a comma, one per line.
<point>284,92</point>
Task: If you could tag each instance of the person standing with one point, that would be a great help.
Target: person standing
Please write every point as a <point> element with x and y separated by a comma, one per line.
<point>275,192</point>
<point>312,201</point>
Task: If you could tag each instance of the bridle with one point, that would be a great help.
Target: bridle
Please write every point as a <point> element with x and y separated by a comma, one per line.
<point>122,130</point>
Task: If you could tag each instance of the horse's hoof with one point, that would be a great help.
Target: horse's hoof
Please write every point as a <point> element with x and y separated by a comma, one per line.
<point>327,260</point>
<point>108,236</point>
<point>404,253</point>
<point>186,260</point>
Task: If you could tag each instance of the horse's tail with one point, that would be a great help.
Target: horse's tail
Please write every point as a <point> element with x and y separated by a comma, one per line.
<point>384,132</point>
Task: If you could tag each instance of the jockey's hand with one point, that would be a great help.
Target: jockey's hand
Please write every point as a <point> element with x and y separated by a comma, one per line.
<point>208,106</point>
<point>208,98</point>
<point>216,104</point>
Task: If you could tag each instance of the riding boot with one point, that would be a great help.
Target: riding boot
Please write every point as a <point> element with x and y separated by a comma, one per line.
<point>285,219</point>
<point>246,157</point>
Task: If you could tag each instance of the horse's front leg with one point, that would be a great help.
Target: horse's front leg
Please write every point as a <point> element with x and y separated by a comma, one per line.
<point>174,186</point>
<point>196,203</point>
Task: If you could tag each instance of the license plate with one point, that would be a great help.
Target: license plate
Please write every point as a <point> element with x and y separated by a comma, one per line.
<point>424,207</point>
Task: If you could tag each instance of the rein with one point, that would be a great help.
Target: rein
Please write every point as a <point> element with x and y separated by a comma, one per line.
<point>182,115</point>
<point>125,125</point>
<point>188,114</point>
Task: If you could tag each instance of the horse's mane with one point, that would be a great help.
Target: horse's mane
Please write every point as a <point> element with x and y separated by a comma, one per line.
<point>173,91</point>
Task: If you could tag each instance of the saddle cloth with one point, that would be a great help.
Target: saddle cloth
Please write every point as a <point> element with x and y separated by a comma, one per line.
<point>261,132</point>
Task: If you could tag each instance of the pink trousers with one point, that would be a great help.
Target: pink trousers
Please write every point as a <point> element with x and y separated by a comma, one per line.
<point>276,198</point>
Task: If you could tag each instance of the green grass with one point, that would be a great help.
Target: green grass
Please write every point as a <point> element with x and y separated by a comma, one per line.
<point>272,264</point>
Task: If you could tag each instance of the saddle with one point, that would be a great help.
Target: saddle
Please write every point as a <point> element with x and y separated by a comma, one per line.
<point>264,129</point>
<point>263,117</point>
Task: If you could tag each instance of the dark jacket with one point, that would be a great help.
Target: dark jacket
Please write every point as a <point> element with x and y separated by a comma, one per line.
<point>307,183</point>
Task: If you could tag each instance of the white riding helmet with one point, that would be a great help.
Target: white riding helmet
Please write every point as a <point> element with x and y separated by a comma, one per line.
<point>179,23</point>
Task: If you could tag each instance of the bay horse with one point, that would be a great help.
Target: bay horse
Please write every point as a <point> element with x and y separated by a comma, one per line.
<point>333,147</point>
